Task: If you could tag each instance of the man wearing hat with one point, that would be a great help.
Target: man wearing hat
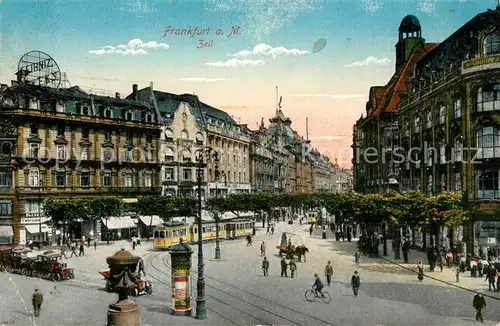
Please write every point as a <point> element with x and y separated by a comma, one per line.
<point>37,300</point>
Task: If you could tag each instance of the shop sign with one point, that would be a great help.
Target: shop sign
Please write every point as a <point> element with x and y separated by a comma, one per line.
<point>492,241</point>
<point>31,220</point>
<point>483,63</point>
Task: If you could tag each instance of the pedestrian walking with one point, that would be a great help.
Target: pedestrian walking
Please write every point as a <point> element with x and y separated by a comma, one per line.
<point>420,271</point>
<point>265,266</point>
<point>272,230</point>
<point>311,230</point>
<point>328,273</point>
<point>88,242</point>
<point>82,250</point>
<point>63,251</point>
<point>95,245</point>
<point>355,283</point>
<point>141,268</point>
<point>73,250</point>
<point>490,277</point>
<point>268,230</point>
<point>479,304</point>
<point>284,267</point>
<point>357,255</point>
<point>263,248</point>
<point>133,243</point>
<point>293,268</point>
<point>249,240</point>
<point>37,300</point>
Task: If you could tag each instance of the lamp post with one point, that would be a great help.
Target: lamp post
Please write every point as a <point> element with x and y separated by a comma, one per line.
<point>218,174</point>
<point>202,155</point>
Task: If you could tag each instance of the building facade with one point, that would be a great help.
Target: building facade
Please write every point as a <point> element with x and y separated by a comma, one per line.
<point>436,125</point>
<point>65,142</point>
<point>189,125</point>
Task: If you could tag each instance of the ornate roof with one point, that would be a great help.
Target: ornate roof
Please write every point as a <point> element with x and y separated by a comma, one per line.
<point>409,24</point>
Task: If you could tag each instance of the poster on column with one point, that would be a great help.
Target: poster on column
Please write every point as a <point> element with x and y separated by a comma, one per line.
<point>181,296</point>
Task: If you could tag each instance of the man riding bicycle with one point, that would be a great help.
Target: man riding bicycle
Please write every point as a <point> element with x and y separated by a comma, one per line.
<point>318,286</point>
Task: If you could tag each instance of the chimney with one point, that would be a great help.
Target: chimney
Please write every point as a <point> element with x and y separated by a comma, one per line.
<point>135,93</point>
<point>117,95</point>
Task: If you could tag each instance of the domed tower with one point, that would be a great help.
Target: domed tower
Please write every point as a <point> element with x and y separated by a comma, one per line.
<point>410,34</point>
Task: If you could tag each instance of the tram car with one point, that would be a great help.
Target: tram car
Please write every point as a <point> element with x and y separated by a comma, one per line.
<point>170,233</point>
<point>312,217</point>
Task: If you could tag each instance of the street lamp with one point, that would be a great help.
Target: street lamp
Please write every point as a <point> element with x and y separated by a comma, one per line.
<point>202,155</point>
<point>218,174</point>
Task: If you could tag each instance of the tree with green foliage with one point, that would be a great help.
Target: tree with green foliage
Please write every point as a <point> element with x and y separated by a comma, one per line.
<point>63,211</point>
<point>100,208</point>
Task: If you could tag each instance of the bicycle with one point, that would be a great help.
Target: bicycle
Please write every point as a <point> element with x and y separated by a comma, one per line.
<point>311,295</point>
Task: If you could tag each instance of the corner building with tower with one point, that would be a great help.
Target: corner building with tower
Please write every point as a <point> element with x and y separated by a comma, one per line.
<point>435,126</point>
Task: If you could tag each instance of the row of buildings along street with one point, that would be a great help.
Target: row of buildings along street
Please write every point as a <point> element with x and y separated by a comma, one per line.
<point>435,126</point>
<point>65,142</point>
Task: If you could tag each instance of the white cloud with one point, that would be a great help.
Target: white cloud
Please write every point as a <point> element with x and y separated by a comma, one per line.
<point>202,79</point>
<point>426,6</point>
<point>235,63</point>
<point>371,5</point>
<point>263,49</point>
<point>137,6</point>
<point>262,18</point>
<point>327,138</point>
<point>369,62</point>
<point>333,96</point>
<point>133,47</point>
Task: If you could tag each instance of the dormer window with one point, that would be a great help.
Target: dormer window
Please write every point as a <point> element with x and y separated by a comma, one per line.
<point>129,116</point>
<point>199,138</point>
<point>147,117</point>
<point>85,110</point>
<point>106,112</point>
<point>491,44</point>
<point>169,134</point>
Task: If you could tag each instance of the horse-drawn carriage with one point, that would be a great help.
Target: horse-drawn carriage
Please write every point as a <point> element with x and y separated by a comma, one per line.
<point>292,246</point>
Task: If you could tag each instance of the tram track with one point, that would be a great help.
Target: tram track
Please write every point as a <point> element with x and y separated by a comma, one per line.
<point>158,270</point>
<point>266,300</point>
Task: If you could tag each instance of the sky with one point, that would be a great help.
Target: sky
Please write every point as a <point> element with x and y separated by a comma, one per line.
<point>107,46</point>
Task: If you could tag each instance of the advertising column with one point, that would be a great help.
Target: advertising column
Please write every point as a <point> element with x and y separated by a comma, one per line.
<point>181,269</point>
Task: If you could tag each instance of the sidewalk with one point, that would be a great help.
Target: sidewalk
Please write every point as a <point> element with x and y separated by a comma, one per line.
<point>388,265</point>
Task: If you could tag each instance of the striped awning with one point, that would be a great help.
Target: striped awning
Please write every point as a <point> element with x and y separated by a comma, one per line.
<point>35,228</point>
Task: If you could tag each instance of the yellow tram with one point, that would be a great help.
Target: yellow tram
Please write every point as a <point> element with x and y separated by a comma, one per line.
<point>170,233</point>
<point>312,217</point>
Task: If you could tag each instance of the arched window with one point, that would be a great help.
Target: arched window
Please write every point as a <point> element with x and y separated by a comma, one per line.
<point>428,118</point>
<point>442,114</point>
<point>457,107</point>
<point>491,44</point>
<point>186,156</point>
<point>184,135</point>
<point>488,142</point>
<point>458,147</point>
<point>169,134</point>
<point>488,98</point>
<point>416,123</point>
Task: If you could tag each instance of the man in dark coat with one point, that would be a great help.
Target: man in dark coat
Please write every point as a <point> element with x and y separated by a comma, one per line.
<point>479,304</point>
<point>328,273</point>
<point>355,283</point>
<point>284,266</point>
<point>265,266</point>
<point>37,300</point>
<point>490,276</point>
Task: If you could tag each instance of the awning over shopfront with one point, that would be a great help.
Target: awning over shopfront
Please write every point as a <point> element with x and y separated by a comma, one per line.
<point>35,228</point>
<point>122,222</point>
<point>147,220</point>
<point>6,231</point>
